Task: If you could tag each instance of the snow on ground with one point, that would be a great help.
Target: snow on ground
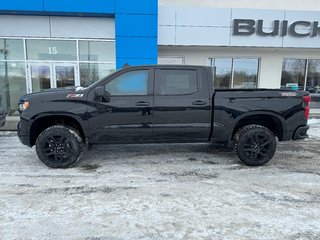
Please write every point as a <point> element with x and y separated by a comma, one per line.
<point>314,131</point>
<point>314,121</point>
<point>161,191</point>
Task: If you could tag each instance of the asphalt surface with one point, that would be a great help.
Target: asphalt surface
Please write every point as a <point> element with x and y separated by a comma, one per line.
<point>178,191</point>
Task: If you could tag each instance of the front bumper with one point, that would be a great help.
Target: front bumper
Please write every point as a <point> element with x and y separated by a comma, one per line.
<point>23,137</point>
<point>301,133</point>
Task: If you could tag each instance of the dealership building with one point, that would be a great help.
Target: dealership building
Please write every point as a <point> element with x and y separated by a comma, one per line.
<point>249,44</point>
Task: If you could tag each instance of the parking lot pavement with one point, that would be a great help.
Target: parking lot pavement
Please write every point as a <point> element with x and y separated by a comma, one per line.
<point>178,191</point>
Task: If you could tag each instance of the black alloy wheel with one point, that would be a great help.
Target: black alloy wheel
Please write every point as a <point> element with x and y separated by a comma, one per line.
<point>59,146</point>
<point>255,145</point>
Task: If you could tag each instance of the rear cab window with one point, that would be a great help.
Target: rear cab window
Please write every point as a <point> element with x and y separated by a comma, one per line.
<point>177,82</point>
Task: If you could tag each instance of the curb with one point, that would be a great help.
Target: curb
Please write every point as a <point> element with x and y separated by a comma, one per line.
<point>11,124</point>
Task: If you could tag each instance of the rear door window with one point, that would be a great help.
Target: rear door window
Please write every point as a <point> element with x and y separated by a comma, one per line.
<point>177,82</point>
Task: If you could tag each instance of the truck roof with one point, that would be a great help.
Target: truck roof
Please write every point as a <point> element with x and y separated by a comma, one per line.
<point>168,66</point>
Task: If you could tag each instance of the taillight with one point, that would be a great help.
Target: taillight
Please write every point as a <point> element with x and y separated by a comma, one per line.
<point>307,100</point>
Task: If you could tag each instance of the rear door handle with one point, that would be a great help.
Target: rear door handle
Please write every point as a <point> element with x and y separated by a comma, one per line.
<point>199,102</point>
<point>142,104</point>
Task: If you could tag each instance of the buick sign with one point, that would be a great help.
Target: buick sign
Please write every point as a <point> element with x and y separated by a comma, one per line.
<point>247,27</point>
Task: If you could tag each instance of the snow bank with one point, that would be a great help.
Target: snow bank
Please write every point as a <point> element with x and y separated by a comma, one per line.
<point>314,121</point>
<point>314,131</point>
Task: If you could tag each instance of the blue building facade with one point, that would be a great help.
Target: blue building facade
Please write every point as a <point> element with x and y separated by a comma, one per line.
<point>135,22</point>
<point>60,43</point>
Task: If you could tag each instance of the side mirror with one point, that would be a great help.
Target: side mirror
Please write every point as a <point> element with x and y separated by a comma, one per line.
<point>99,91</point>
<point>101,94</point>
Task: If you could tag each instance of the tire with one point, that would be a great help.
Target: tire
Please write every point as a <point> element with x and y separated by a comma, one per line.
<point>255,145</point>
<point>59,146</point>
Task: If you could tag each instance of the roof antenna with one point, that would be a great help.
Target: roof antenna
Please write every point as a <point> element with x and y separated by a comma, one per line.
<point>126,65</point>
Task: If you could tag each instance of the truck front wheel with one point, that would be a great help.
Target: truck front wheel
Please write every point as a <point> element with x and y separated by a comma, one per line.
<point>255,145</point>
<point>59,146</point>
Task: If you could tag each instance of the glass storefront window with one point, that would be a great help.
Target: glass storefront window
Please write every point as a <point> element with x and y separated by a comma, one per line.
<point>65,76</point>
<point>2,50</point>
<point>222,72</point>
<point>12,85</point>
<point>51,63</point>
<point>54,50</point>
<point>245,73</point>
<point>11,49</point>
<point>293,74</point>
<point>92,72</point>
<point>97,51</point>
<point>40,77</point>
<point>235,72</point>
<point>313,76</point>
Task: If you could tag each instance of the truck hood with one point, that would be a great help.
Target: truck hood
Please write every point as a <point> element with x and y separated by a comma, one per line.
<point>66,92</point>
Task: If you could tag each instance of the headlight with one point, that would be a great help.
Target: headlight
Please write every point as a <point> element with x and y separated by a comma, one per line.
<point>24,106</point>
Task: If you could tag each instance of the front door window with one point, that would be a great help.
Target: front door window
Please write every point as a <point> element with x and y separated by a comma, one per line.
<point>130,83</point>
<point>51,75</point>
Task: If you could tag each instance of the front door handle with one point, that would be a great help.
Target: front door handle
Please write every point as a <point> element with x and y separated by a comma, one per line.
<point>199,102</point>
<point>142,104</point>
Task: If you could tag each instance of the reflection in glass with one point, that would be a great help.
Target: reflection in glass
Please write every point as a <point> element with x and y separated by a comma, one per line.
<point>52,53</point>
<point>11,49</point>
<point>313,76</point>
<point>92,72</point>
<point>97,51</point>
<point>222,72</point>
<point>2,50</point>
<point>172,82</point>
<point>12,85</point>
<point>65,76</point>
<point>41,77</point>
<point>235,72</point>
<point>61,50</point>
<point>245,73</point>
<point>293,74</point>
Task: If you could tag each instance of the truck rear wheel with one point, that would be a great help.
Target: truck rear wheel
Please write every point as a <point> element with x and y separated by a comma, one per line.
<point>59,146</point>
<point>255,145</point>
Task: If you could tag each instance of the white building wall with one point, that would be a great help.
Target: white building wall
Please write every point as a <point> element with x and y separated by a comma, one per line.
<point>309,5</point>
<point>199,30</point>
<point>56,27</point>
<point>186,26</point>
<point>270,59</point>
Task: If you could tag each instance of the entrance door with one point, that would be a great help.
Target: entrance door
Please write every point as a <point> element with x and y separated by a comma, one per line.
<point>40,77</point>
<point>51,75</point>
<point>64,75</point>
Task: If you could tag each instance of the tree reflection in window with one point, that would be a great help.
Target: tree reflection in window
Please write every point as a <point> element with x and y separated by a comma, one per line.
<point>235,72</point>
<point>293,74</point>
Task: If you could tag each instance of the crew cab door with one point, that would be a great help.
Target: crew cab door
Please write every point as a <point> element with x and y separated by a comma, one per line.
<point>124,114</point>
<point>182,108</point>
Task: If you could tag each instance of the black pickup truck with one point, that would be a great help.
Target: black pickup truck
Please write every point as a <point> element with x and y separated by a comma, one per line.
<point>159,103</point>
